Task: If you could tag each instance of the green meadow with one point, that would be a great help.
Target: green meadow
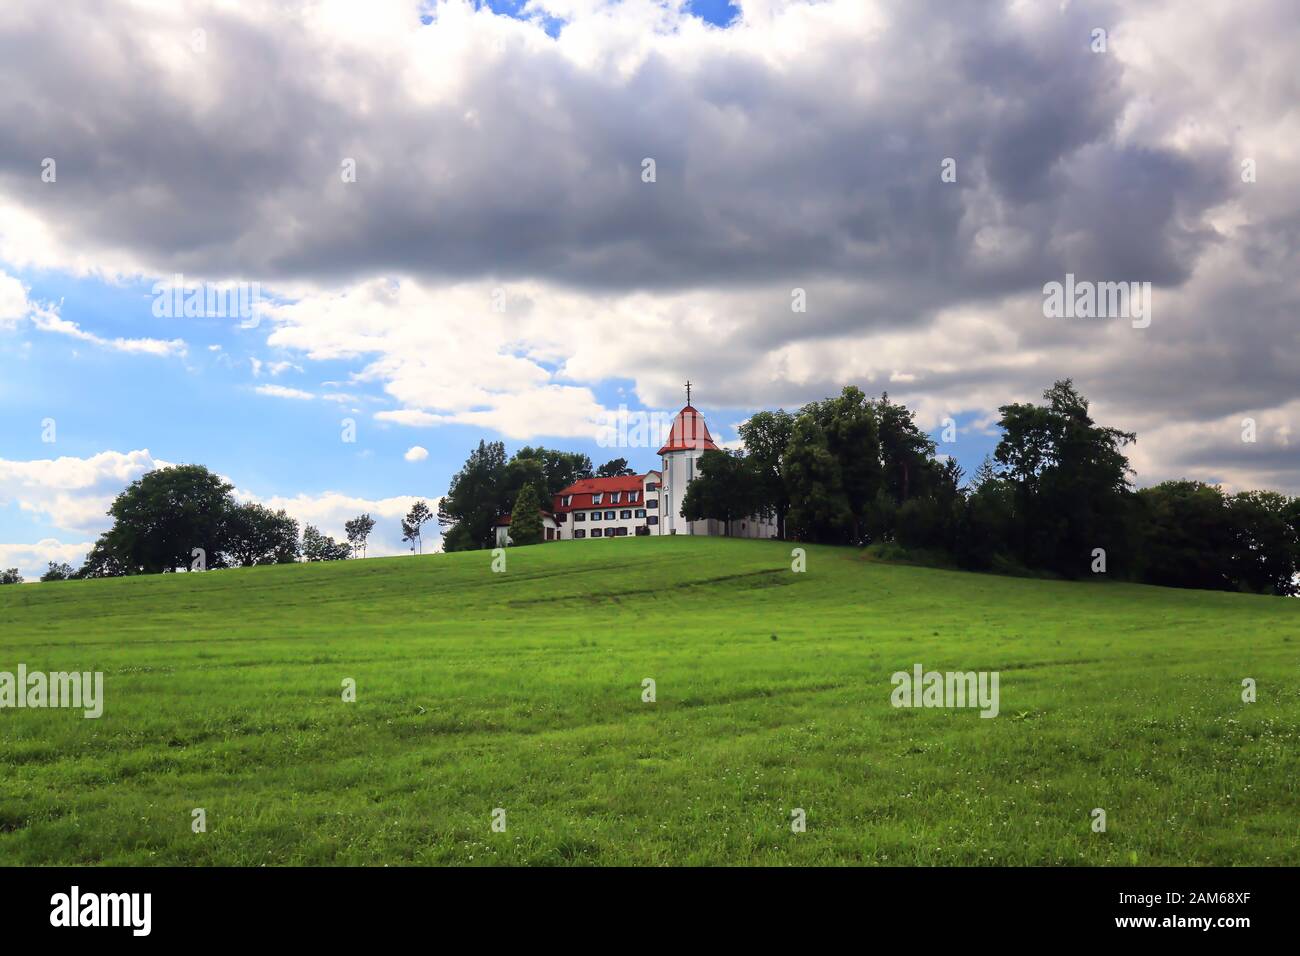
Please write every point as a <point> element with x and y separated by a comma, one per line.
<point>523,691</point>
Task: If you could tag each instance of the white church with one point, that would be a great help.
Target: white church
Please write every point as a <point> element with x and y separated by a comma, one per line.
<point>643,504</point>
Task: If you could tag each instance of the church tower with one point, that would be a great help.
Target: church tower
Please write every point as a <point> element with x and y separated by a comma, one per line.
<point>688,439</point>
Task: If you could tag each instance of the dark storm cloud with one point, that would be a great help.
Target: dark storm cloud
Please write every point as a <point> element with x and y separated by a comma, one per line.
<point>818,170</point>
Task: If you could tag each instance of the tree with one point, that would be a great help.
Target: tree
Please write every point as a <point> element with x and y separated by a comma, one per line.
<point>254,534</point>
<point>415,520</point>
<point>163,516</point>
<point>559,469</point>
<point>726,488</point>
<point>819,508</point>
<point>526,518</point>
<point>1264,543</point>
<point>471,506</point>
<point>358,531</point>
<point>848,429</point>
<point>766,436</point>
<point>102,561</point>
<point>907,460</point>
<point>57,572</point>
<point>617,468</point>
<point>1071,481</point>
<point>320,547</point>
<point>10,576</point>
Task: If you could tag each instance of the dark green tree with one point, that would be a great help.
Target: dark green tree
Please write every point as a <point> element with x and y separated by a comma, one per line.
<point>472,504</point>
<point>615,468</point>
<point>1071,482</point>
<point>725,489</point>
<point>10,576</point>
<point>57,572</point>
<point>819,508</point>
<point>526,518</point>
<point>766,436</point>
<point>320,547</point>
<point>254,534</point>
<point>163,516</point>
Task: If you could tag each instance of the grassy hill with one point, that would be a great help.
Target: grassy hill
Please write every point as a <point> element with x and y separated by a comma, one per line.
<point>522,690</point>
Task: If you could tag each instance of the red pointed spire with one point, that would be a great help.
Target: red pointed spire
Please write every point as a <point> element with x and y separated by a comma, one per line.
<point>689,431</point>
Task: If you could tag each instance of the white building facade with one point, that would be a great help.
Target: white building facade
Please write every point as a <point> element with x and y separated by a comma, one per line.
<point>680,455</point>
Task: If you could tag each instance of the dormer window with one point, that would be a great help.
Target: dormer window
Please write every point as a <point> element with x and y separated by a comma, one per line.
<point>632,496</point>
<point>596,499</point>
<point>614,497</point>
<point>566,500</point>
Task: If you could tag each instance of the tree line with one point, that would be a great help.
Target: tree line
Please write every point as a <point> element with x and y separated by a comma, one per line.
<point>1055,496</point>
<point>184,517</point>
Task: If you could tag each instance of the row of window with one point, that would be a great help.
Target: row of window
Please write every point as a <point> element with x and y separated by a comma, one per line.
<point>615,497</point>
<point>624,515</point>
<point>609,532</point>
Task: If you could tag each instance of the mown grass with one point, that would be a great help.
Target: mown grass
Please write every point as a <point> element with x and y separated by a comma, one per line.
<point>522,690</point>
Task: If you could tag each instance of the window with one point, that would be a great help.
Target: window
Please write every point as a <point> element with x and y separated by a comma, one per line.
<point>632,496</point>
<point>609,532</point>
<point>625,514</point>
<point>652,503</point>
<point>609,515</point>
<point>651,486</point>
<point>595,499</point>
<point>595,516</point>
<point>566,500</point>
<point>580,516</point>
<point>561,518</point>
<point>614,497</point>
<point>579,533</point>
<point>640,512</point>
<point>653,519</point>
<point>621,532</point>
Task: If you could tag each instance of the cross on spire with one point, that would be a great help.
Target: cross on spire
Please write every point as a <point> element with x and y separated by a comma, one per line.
<point>688,391</point>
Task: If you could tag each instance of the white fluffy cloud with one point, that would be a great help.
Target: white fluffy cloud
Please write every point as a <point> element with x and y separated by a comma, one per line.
<point>329,511</point>
<point>499,255</point>
<point>73,493</point>
<point>31,560</point>
<point>416,453</point>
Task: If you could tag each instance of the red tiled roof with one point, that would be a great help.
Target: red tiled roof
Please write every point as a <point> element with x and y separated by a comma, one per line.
<point>582,490</point>
<point>689,431</point>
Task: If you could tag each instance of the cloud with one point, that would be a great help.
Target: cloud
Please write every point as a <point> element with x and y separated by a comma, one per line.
<point>500,256</point>
<point>73,493</point>
<point>31,560</point>
<point>330,510</point>
<point>14,304</point>
<point>283,391</point>
<point>416,453</point>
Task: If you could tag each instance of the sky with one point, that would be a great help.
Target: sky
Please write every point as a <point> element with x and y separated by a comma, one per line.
<point>505,220</point>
